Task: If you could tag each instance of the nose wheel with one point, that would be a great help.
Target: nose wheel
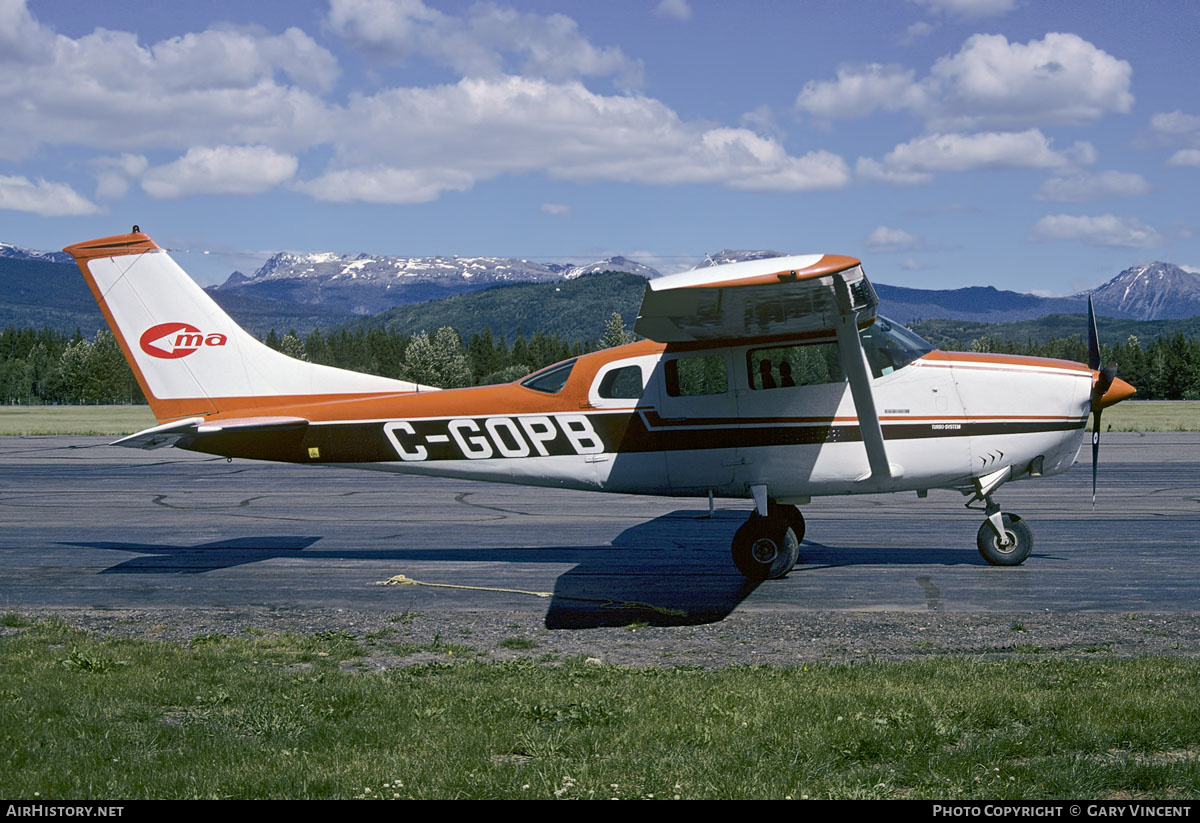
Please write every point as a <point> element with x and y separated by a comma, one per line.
<point>1013,549</point>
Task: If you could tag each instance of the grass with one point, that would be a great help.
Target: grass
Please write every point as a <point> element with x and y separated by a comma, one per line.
<point>1132,415</point>
<point>39,421</point>
<point>1153,416</point>
<point>280,716</point>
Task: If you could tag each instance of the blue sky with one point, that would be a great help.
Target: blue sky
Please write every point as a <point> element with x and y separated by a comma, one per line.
<point>1034,146</point>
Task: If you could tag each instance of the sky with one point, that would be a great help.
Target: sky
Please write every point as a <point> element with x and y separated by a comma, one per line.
<point>1034,146</point>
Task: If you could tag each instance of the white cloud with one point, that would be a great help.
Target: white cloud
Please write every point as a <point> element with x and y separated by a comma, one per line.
<point>917,160</point>
<point>1176,123</point>
<point>1185,157</point>
<point>888,239</point>
<point>384,184</point>
<point>860,90</point>
<point>1104,230</point>
<point>915,32</point>
<point>1081,187</point>
<point>677,9</point>
<point>481,128</point>
<point>990,83</point>
<point>1060,79</point>
<point>114,174</point>
<point>44,198</point>
<point>486,41</point>
<point>241,106</point>
<point>109,91</point>
<point>221,170</point>
<point>556,209</point>
<point>968,8</point>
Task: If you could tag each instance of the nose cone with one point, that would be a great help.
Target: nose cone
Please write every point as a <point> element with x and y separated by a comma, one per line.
<point>1118,391</point>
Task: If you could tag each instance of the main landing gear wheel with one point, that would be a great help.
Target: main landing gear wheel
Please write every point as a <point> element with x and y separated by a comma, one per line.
<point>765,548</point>
<point>789,514</point>
<point>1020,542</point>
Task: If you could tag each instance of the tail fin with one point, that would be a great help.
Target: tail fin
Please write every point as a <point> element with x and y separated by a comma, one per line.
<point>188,355</point>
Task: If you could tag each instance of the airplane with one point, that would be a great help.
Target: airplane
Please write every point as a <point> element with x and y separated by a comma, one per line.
<point>772,380</point>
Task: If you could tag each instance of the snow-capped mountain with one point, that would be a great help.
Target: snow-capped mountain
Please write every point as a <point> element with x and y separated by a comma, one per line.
<point>736,256</point>
<point>17,253</point>
<point>1153,291</point>
<point>367,284</point>
<point>617,263</point>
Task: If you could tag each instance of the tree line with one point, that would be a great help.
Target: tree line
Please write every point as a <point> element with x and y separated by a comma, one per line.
<point>48,367</point>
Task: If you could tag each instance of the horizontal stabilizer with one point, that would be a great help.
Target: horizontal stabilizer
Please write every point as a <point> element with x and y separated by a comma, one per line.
<point>168,434</point>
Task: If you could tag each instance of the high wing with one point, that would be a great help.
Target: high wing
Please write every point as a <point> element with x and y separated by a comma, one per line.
<point>776,297</point>
<point>815,296</point>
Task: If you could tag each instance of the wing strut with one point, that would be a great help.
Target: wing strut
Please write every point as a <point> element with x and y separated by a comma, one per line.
<point>854,362</point>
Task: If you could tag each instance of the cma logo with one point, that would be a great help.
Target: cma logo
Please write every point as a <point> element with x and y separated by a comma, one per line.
<point>171,341</point>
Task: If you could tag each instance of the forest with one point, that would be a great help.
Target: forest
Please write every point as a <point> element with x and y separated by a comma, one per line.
<point>45,367</point>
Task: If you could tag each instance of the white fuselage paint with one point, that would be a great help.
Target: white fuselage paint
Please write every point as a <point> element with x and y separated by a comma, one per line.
<point>945,422</point>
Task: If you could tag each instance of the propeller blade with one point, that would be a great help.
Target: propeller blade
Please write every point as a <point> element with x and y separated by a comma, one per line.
<point>1095,451</point>
<point>1093,338</point>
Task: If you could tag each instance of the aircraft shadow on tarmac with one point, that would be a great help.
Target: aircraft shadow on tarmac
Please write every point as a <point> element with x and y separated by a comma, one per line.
<point>672,570</point>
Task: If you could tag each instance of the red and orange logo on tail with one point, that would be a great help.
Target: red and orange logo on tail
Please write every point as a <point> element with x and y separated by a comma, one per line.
<point>171,341</point>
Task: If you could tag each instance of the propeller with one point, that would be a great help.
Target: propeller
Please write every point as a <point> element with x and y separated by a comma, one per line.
<point>1103,382</point>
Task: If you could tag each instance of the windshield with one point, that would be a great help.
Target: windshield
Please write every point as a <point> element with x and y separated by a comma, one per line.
<point>889,346</point>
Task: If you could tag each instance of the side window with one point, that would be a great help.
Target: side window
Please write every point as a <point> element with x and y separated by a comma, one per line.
<point>692,376</point>
<point>550,379</point>
<point>621,384</point>
<point>781,367</point>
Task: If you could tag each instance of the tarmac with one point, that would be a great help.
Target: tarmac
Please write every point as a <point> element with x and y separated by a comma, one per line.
<point>88,526</point>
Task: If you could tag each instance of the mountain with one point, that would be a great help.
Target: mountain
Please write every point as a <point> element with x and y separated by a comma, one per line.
<point>39,293</point>
<point>11,252</point>
<point>573,309</point>
<point>1151,292</point>
<point>368,284</point>
<point>983,303</point>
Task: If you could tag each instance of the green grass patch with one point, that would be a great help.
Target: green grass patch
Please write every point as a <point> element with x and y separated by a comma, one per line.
<point>31,421</point>
<point>1152,416</point>
<point>280,716</point>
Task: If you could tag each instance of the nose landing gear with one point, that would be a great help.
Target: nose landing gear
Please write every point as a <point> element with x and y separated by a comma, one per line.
<point>1004,539</point>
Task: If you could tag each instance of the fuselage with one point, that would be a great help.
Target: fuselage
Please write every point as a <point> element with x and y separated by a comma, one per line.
<point>689,419</point>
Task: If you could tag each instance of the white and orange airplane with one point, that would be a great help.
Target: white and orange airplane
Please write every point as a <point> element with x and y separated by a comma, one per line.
<point>772,380</point>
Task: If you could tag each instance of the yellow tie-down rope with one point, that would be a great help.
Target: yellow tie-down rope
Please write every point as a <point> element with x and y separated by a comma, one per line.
<point>405,580</point>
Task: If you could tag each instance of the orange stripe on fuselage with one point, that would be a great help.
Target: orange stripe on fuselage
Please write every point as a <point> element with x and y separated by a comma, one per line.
<point>506,398</point>
<point>964,358</point>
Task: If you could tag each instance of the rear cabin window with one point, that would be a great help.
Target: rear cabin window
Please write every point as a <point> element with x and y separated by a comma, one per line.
<point>781,367</point>
<point>550,379</point>
<point>624,383</point>
<point>693,376</point>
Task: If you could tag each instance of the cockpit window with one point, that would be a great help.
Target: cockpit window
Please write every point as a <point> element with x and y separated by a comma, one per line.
<point>890,347</point>
<point>550,379</point>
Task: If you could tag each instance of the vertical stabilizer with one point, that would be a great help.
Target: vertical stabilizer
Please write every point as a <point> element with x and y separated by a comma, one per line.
<point>188,355</point>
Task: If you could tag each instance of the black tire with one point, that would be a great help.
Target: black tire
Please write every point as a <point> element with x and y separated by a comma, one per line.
<point>790,514</point>
<point>1014,554</point>
<point>765,548</point>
